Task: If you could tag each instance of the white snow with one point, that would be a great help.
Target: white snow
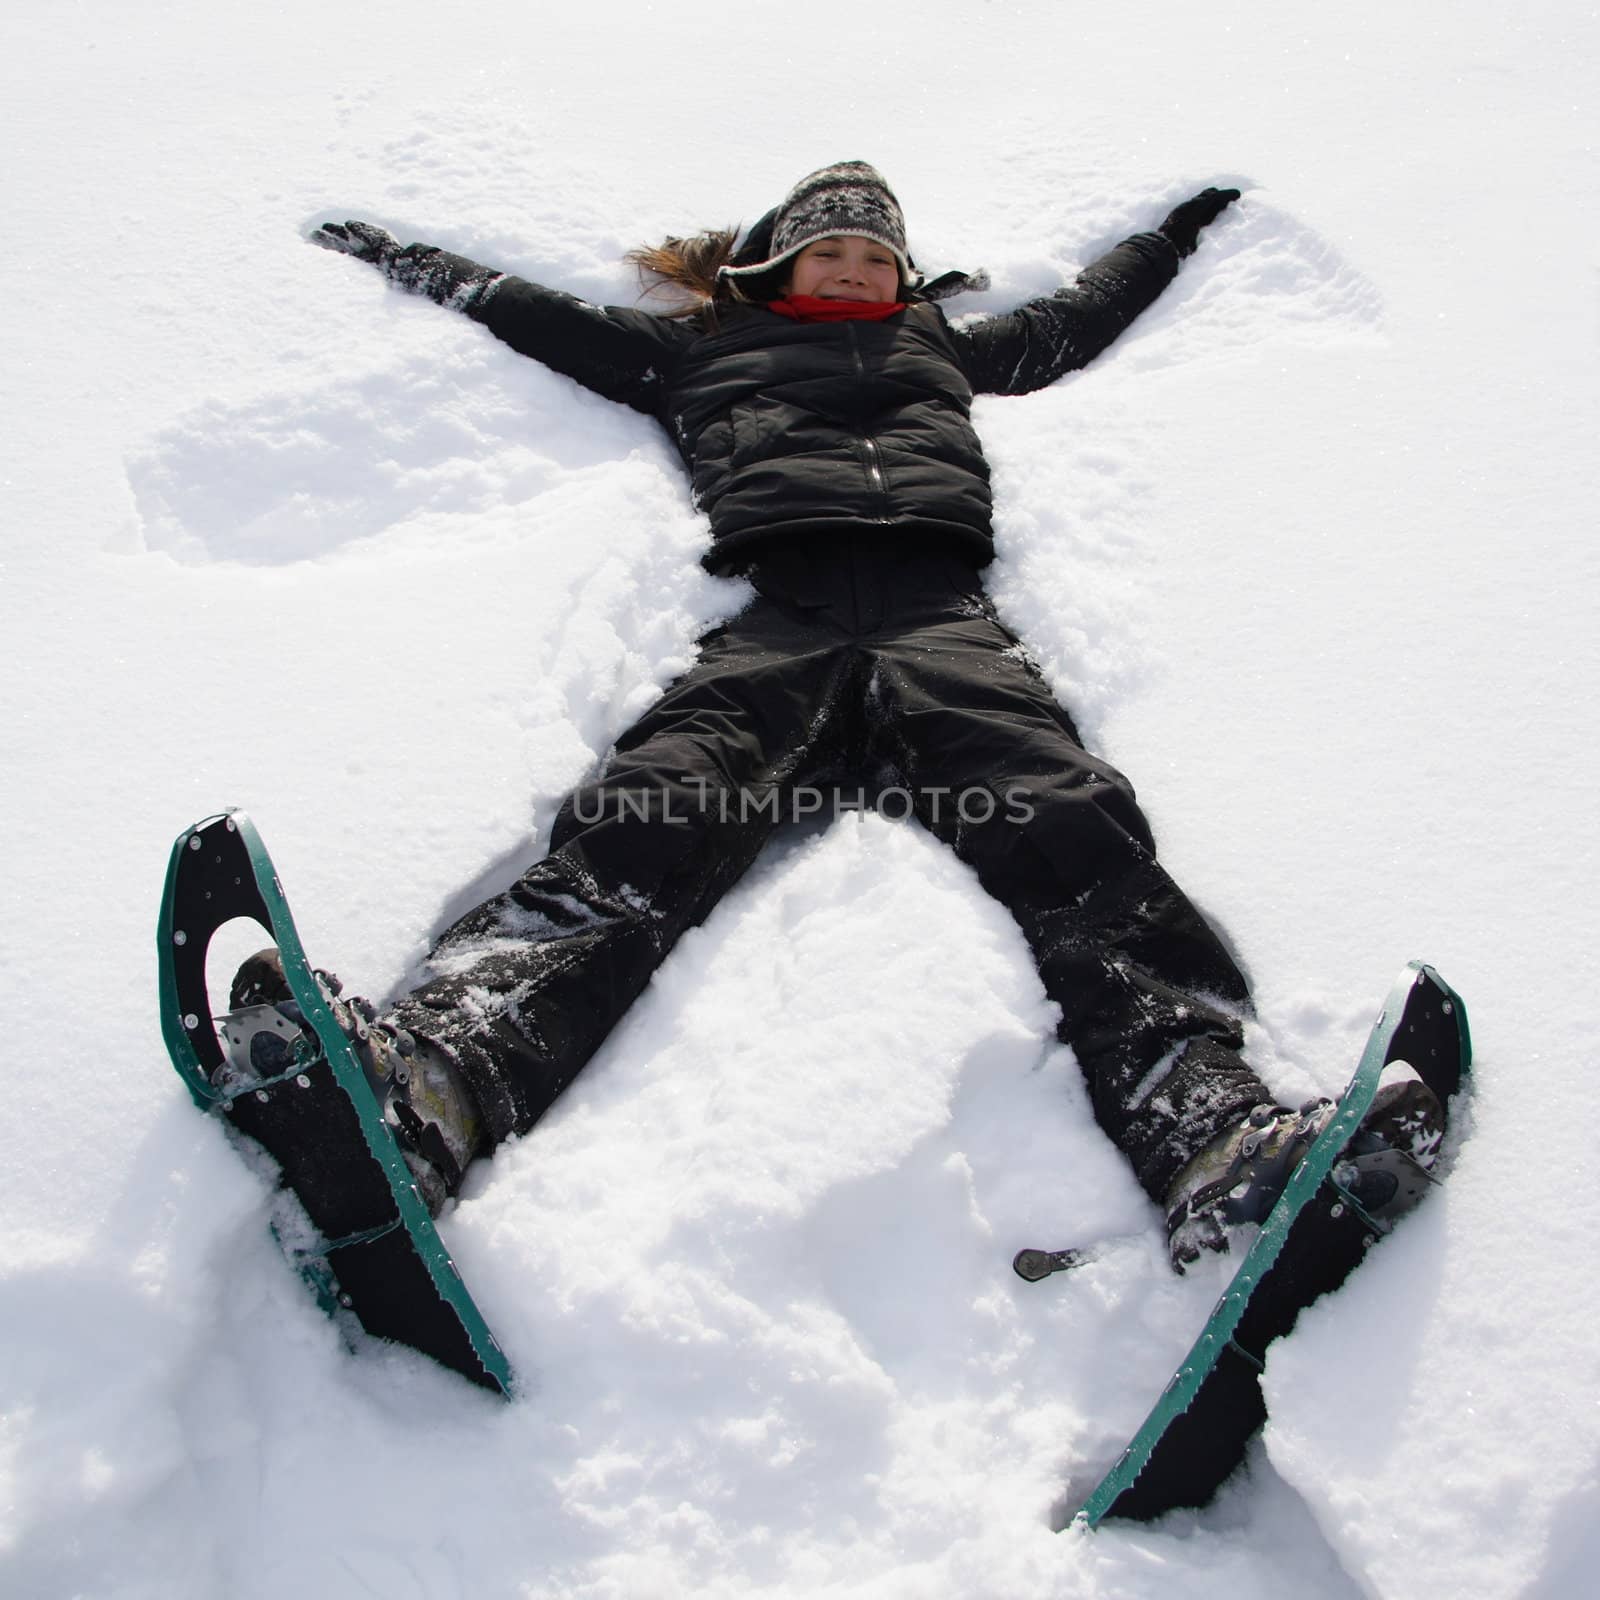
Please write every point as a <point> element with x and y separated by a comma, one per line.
<point>1310,554</point>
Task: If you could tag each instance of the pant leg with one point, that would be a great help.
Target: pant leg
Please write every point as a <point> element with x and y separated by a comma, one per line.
<point>525,987</point>
<point>1150,998</point>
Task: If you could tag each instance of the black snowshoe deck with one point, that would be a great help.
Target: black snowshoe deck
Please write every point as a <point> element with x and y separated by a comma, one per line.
<point>373,1248</point>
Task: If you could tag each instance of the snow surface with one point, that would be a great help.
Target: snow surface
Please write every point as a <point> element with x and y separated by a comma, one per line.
<point>1310,553</point>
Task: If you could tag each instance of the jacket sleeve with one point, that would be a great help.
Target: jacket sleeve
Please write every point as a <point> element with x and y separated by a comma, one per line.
<point>1034,345</point>
<point>621,354</point>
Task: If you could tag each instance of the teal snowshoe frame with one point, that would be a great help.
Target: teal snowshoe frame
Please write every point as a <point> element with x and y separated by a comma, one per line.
<point>376,1250</point>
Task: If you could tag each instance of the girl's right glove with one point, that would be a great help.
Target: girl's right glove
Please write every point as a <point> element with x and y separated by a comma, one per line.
<point>1183,227</point>
<point>366,241</point>
<point>418,268</point>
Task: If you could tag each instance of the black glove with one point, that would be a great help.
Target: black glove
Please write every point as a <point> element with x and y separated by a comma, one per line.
<point>1184,225</point>
<point>363,240</point>
<point>418,268</point>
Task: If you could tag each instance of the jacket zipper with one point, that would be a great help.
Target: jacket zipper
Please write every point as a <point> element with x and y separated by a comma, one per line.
<point>869,446</point>
<point>874,468</point>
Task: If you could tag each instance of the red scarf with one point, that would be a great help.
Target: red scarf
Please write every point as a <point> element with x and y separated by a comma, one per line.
<point>811,308</point>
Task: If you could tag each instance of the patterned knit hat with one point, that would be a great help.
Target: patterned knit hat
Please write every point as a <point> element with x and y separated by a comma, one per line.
<point>849,198</point>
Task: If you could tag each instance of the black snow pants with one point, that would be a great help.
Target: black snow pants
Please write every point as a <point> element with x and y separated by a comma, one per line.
<point>856,667</point>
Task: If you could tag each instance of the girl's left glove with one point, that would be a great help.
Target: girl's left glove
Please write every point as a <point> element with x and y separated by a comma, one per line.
<point>1183,226</point>
<point>419,268</point>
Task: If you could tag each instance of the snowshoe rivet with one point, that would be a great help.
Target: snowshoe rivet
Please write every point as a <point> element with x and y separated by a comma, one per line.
<point>303,1081</point>
<point>263,1096</point>
<point>227,822</point>
<point>180,937</point>
<point>194,841</point>
<point>346,1299</point>
<point>1337,1211</point>
<point>190,1020</point>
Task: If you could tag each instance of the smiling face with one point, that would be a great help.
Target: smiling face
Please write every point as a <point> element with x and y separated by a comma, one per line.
<point>846,267</point>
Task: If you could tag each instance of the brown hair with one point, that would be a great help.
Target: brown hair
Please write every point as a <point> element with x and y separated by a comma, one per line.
<point>689,266</point>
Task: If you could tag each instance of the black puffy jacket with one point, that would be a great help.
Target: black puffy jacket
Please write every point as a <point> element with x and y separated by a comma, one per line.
<point>791,429</point>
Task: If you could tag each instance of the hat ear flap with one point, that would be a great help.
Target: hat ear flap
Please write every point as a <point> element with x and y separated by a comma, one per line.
<point>757,244</point>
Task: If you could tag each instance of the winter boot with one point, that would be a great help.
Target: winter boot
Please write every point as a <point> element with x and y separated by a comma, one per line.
<point>425,1101</point>
<point>1237,1178</point>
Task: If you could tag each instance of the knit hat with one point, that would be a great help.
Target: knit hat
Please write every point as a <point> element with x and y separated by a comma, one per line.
<point>849,198</point>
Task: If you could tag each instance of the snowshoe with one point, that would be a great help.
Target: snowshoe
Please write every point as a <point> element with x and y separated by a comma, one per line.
<point>337,1103</point>
<point>1329,1180</point>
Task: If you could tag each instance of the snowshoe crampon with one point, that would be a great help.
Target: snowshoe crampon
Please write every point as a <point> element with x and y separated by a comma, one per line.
<point>303,1095</point>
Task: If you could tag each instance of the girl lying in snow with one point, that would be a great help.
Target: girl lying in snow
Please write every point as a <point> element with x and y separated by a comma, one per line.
<point>822,406</point>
